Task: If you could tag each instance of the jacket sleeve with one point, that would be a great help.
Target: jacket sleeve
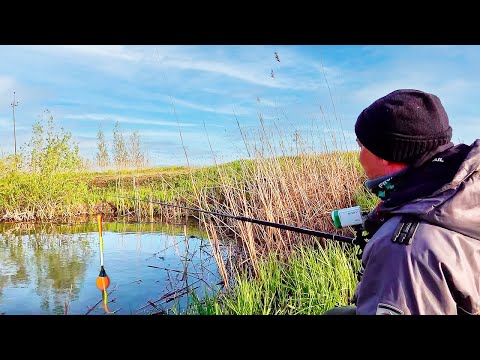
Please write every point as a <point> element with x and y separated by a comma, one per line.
<point>401,279</point>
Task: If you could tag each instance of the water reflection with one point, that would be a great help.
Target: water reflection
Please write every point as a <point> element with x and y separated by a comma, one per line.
<point>51,269</point>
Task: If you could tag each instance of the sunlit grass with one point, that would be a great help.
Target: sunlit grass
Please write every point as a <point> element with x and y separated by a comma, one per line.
<point>311,281</point>
<point>32,196</point>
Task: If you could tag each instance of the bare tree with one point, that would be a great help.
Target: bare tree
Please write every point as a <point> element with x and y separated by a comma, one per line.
<point>120,153</point>
<point>137,157</point>
<point>102,152</point>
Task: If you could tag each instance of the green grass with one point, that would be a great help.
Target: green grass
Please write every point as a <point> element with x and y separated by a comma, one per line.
<point>52,196</point>
<point>365,199</point>
<point>35,196</point>
<point>311,281</point>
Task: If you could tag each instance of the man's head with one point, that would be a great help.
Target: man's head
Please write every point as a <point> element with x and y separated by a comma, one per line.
<point>398,128</point>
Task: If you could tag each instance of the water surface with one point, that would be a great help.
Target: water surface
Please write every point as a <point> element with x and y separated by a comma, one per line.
<point>52,269</point>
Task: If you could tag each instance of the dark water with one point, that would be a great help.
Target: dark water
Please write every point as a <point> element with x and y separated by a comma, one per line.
<point>52,269</point>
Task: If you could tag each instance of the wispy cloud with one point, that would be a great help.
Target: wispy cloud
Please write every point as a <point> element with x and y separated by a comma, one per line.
<point>7,84</point>
<point>4,123</point>
<point>267,102</point>
<point>249,75</point>
<point>225,109</point>
<point>252,65</point>
<point>124,119</point>
<point>108,51</point>
<point>170,58</point>
<point>88,143</point>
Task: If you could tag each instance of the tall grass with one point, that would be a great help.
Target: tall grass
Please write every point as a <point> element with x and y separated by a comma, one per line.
<point>311,281</point>
<point>29,197</point>
<point>283,185</point>
<point>66,195</point>
<point>272,271</point>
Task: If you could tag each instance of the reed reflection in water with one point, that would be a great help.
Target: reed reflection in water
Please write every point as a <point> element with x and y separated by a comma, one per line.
<point>51,269</point>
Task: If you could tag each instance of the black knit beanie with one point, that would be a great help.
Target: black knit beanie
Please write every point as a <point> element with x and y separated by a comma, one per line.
<point>403,125</point>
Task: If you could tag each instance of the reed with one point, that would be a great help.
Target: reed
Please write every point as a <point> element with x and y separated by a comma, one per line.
<point>294,186</point>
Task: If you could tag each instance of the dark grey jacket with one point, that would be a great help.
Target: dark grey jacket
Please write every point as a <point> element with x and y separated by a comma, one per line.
<point>439,271</point>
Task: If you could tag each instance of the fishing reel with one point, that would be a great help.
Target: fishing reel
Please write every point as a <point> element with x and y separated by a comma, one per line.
<point>354,217</point>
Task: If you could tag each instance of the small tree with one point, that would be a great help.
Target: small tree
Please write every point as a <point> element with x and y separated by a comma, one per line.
<point>102,152</point>
<point>34,148</point>
<point>50,150</point>
<point>120,153</point>
<point>137,157</point>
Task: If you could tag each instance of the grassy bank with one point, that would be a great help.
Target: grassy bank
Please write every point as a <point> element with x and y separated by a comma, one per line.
<point>66,196</point>
<point>311,281</point>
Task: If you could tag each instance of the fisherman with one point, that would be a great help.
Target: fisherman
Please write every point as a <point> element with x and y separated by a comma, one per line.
<point>423,252</point>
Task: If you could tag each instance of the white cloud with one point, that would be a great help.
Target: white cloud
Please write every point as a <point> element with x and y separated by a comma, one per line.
<point>456,90</point>
<point>7,86</point>
<point>6,123</point>
<point>86,144</point>
<point>224,109</point>
<point>124,119</point>
<point>252,65</point>
<point>266,102</point>
<point>165,134</point>
<point>109,51</point>
<point>244,74</point>
<point>179,58</point>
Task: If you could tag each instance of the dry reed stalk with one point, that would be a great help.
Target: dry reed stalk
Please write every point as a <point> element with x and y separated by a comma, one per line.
<point>216,252</point>
<point>298,190</point>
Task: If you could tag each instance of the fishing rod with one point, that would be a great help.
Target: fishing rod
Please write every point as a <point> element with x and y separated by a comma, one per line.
<point>357,225</point>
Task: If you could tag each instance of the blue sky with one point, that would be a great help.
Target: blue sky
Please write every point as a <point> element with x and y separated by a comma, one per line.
<point>197,93</point>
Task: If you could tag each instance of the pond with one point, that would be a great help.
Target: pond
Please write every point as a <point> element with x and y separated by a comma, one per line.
<point>52,269</point>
